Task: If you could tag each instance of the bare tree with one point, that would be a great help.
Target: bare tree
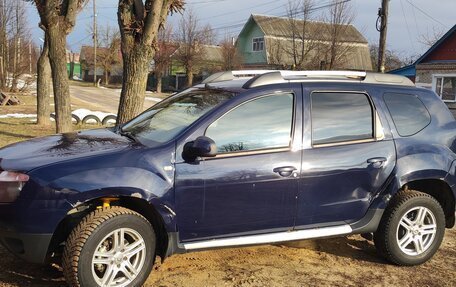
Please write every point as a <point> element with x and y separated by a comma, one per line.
<point>431,37</point>
<point>340,16</point>
<point>108,57</point>
<point>57,19</point>
<point>162,58</point>
<point>393,60</point>
<point>139,23</point>
<point>43,86</point>
<point>303,43</point>
<point>191,38</point>
<point>231,58</point>
<point>17,51</point>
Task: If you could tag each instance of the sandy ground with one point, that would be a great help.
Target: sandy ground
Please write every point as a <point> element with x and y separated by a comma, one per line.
<point>348,261</point>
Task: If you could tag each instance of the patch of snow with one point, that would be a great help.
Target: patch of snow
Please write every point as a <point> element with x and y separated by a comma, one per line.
<point>17,116</point>
<point>153,99</point>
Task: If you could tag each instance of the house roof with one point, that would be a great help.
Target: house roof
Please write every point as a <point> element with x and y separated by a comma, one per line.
<point>282,27</point>
<point>213,53</point>
<point>88,51</point>
<point>411,69</point>
<point>436,45</point>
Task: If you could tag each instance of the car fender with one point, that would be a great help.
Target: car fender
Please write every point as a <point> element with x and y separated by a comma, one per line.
<point>415,167</point>
<point>152,187</point>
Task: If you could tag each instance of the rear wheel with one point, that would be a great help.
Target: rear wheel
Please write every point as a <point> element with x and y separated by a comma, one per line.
<point>411,229</point>
<point>112,247</point>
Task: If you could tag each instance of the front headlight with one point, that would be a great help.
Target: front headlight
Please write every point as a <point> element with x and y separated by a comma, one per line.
<point>11,184</point>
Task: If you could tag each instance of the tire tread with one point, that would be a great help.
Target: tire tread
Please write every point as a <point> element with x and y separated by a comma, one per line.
<point>79,236</point>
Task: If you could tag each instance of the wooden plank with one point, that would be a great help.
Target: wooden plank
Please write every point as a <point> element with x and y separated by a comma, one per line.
<point>5,100</point>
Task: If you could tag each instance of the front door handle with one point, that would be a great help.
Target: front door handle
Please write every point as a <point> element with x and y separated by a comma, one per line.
<point>285,171</point>
<point>376,162</point>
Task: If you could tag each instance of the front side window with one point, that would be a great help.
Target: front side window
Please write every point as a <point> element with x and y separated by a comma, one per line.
<point>258,44</point>
<point>446,88</point>
<point>341,117</point>
<point>167,119</point>
<point>262,123</point>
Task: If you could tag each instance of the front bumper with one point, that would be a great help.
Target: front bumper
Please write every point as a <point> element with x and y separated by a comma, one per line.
<point>27,227</point>
<point>30,247</point>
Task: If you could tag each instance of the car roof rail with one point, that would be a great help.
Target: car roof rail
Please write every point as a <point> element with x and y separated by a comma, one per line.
<point>277,77</point>
<point>232,75</point>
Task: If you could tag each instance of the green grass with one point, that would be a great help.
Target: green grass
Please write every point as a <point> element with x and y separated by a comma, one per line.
<point>15,130</point>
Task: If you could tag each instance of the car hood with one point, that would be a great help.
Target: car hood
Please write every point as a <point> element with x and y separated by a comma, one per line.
<point>27,155</point>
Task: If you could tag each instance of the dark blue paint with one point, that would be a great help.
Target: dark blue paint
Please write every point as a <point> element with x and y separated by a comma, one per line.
<point>242,194</point>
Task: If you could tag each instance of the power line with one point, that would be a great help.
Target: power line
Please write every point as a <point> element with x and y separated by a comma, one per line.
<point>407,26</point>
<point>425,13</point>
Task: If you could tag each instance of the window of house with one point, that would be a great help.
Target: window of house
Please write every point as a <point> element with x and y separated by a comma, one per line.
<point>262,123</point>
<point>258,44</point>
<point>408,112</point>
<point>446,88</point>
<point>341,117</point>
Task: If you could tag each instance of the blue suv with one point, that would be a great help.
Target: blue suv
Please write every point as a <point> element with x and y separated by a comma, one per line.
<point>244,158</point>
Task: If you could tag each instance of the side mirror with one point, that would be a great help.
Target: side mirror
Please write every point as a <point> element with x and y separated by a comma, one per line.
<point>201,147</point>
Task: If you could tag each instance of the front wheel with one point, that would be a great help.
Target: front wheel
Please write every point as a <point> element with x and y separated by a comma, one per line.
<point>411,229</point>
<point>112,247</point>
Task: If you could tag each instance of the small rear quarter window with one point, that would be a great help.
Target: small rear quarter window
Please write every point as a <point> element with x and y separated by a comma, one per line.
<point>409,114</point>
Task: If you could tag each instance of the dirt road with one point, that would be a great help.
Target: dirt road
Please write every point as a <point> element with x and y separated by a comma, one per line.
<point>107,100</point>
<point>348,261</point>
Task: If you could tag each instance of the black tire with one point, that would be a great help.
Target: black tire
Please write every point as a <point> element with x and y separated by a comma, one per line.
<point>76,119</point>
<point>386,238</point>
<point>107,119</point>
<point>91,117</point>
<point>91,231</point>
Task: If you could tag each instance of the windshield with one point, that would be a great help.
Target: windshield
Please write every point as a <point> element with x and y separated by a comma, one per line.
<point>167,119</point>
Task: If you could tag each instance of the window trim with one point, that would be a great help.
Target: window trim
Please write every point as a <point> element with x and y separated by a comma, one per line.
<point>261,41</point>
<point>378,133</point>
<point>434,85</point>
<point>263,150</point>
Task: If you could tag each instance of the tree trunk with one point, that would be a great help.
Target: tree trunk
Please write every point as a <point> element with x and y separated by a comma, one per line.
<point>136,69</point>
<point>106,80</point>
<point>159,82</point>
<point>57,57</point>
<point>43,87</point>
<point>189,73</point>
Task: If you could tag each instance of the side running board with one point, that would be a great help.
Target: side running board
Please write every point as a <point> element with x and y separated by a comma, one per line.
<point>270,238</point>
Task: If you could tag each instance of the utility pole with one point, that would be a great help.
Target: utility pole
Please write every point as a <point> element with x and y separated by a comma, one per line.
<point>382,27</point>
<point>95,32</point>
<point>30,58</point>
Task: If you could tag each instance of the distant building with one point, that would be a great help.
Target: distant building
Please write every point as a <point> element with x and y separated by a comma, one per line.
<point>73,64</point>
<point>436,69</point>
<point>87,65</point>
<point>266,41</point>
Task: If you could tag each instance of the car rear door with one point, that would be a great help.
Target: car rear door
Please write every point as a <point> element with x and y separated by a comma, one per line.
<point>250,186</point>
<point>347,156</point>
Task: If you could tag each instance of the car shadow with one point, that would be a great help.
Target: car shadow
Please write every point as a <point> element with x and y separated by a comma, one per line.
<point>353,247</point>
<point>16,272</point>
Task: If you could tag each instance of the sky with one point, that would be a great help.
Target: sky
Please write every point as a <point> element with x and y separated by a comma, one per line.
<point>409,19</point>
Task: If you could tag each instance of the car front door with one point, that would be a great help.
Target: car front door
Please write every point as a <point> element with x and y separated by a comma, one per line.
<point>250,186</point>
<point>346,157</point>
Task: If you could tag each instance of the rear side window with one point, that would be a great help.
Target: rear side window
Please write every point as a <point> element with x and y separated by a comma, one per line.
<point>408,112</point>
<point>341,117</point>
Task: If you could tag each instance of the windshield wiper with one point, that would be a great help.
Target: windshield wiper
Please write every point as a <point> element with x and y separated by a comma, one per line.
<point>128,135</point>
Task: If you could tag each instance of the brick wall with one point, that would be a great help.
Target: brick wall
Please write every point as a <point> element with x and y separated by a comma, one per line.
<point>424,77</point>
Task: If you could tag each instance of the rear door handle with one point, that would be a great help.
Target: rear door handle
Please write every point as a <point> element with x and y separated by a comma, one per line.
<point>285,171</point>
<point>377,162</point>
